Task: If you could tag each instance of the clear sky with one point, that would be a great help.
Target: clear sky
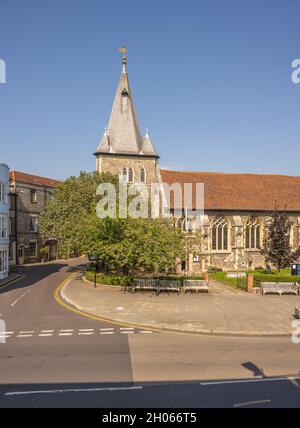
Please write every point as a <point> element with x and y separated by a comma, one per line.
<point>211,80</point>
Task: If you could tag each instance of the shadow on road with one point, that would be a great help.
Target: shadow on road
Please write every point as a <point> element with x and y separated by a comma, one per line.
<point>252,392</point>
<point>34,274</point>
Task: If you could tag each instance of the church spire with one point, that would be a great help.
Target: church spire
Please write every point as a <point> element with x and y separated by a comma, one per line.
<point>123,131</point>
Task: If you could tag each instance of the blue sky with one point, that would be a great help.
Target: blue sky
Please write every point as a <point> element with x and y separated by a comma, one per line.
<point>211,80</point>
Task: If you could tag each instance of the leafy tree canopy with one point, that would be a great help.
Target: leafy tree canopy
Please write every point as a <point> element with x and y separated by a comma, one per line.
<point>126,245</point>
<point>277,248</point>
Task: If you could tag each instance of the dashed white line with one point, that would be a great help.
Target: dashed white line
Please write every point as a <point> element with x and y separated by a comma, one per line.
<point>85,333</point>
<point>127,332</point>
<point>67,331</point>
<point>24,335</point>
<point>145,331</point>
<point>252,403</point>
<point>45,334</point>
<point>47,331</point>
<point>60,391</point>
<point>27,332</point>
<point>65,334</point>
<point>107,332</point>
<point>106,329</point>
<point>126,328</point>
<point>85,329</point>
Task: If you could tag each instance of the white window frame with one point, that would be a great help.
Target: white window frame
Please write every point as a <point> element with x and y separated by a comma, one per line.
<point>4,261</point>
<point>35,228</point>
<point>33,192</point>
<point>3,192</point>
<point>36,248</point>
<point>3,226</point>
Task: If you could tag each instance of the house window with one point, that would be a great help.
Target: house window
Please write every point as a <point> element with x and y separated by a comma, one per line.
<point>3,261</point>
<point>220,234</point>
<point>143,175</point>
<point>252,234</point>
<point>33,197</point>
<point>32,249</point>
<point>3,192</point>
<point>3,227</point>
<point>33,224</point>
<point>130,175</point>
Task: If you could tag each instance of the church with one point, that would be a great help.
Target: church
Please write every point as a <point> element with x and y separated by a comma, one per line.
<point>237,207</point>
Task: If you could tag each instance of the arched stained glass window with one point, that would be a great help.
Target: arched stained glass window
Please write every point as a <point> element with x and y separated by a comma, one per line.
<point>252,234</point>
<point>220,234</point>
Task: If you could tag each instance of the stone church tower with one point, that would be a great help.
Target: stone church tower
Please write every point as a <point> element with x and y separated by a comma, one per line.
<point>122,150</point>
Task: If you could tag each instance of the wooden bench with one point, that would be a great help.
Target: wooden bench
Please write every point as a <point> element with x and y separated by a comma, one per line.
<point>279,288</point>
<point>145,284</point>
<point>195,285</point>
<point>169,285</point>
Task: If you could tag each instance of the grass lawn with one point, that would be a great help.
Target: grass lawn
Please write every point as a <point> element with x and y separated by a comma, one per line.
<point>233,282</point>
<point>259,276</point>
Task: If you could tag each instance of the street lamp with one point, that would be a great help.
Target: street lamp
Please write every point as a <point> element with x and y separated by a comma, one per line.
<point>95,263</point>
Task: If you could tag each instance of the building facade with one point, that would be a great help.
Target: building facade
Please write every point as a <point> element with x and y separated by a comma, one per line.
<point>29,196</point>
<point>4,220</point>
<point>237,207</point>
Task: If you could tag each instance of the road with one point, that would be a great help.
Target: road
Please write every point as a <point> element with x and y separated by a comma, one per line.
<point>55,358</point>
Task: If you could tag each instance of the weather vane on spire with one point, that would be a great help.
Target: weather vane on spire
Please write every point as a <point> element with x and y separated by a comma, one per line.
<point>123,51</point>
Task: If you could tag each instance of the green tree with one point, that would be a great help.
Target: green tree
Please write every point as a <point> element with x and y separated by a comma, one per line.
<point>277,249</point>
<point>126,245</point>
<point>70,211</point>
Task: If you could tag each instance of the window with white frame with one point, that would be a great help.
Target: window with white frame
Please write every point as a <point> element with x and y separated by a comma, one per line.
<point>220,234</point>
<point>3,192</point>
<point>252,234</point>
<point>3,261</point>
<point>3,226</point>
<point>33,224</point>
<point>33,249</point>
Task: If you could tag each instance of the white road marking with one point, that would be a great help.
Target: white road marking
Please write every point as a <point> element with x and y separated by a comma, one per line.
<point>67,331</point>
<point>61,391</point>
<point>24,335</point>
<point>45,334</point>
<point>126,328</point>
<point>294,382</point>
<point>230,382</point>
<point>106,329</point>
<point>47,331</point>
<point>120,308</point>
<point>127,332</point>
<point>27,332</point>
<point>65,334</point>
<point>107,332</point>
<point>19,298</point>
<point>85,329</point>
<point>85,333</point>
<point>252,403</point>
<point>146,331</point>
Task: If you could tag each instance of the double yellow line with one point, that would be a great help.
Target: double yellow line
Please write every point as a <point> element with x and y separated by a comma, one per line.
<point>58,298</point>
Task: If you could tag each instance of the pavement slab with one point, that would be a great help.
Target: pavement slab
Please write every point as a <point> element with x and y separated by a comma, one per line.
<point>224,311</point>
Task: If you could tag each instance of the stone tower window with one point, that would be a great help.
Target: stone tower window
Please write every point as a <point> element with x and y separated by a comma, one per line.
<point>220,234</point>
<point>125,175</point>
<point>130,175</point>
<point>252,234</point>
<point>143,175</point>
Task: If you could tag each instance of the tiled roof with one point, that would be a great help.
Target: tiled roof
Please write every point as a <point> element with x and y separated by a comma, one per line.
<point>22,177</point>
<point>255,192</point>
